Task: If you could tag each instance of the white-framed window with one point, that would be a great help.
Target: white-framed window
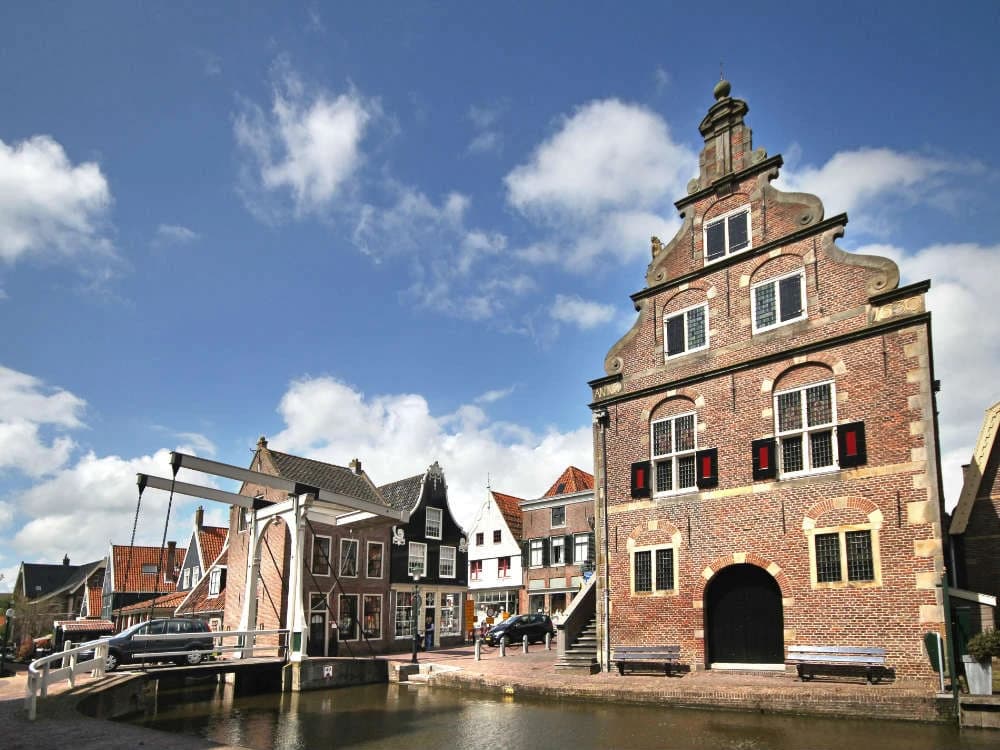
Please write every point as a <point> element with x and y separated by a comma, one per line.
<point>685,331</point>
<point>778,301</point>
<point>558,516</point>
<point>321,551</point>
<point>727,234</point>
<point>535,547</point>
<point>845,556</point>
<point>372,623</point>
<point>347,617</point>
<point>654,569</point>
<point>446,562</point>
<point>806,419</point>
<point>186,579</point>
<point>149,569</point>
<point>349,558</point>
<point>581,548</point>
<point>557,550</point>
<point>403,623</point>
<point>448,615</point>
<point>215,582</point>
<point>432,523</point>
<point>479,539</point>
<point>195,576</point>
<point>376,565</point>
<point>417,560</point>
<point>674,442</point>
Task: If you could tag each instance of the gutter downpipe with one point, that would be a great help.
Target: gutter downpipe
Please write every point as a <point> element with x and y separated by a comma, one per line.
<point>602,421</point>
<point>949,552</point>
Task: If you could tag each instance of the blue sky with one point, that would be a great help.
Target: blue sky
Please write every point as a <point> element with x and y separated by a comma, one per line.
<point>407,232</point>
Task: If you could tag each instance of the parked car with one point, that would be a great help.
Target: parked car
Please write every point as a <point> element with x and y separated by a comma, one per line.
<point>516,627</point>
<point>124,648</point>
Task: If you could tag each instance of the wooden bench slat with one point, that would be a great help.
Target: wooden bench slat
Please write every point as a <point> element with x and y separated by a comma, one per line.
<point>864,657</point>
<point>837,650</point>
<point>667,655</point>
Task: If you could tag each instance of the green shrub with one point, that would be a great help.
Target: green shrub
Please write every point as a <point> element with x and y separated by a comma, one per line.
<point>984,645</point>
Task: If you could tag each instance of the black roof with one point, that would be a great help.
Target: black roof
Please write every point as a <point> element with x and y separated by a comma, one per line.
<point>41,579</point>
<point>403,494</point>
<point>325,476</point>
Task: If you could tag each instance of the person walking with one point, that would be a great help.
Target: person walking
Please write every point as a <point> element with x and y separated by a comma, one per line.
<point>429,634</point>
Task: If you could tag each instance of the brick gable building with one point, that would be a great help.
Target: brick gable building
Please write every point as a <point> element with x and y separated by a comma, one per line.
<point>765,438</point>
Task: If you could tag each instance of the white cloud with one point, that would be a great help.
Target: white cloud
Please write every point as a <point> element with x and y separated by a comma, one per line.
<point>605,177</point>
<point>82,507</point>
<point>30,413</point>
<point>174,234</point>
<point>580,312</point>
<point>872,183</point>
<point>966,340</point>
<point>195,442</point>
<point>495,395</point>
<point>397,436</point>
<point>487,139</point>
<point>662,78</point>
<point>48,205</point>
<point>308,146</point>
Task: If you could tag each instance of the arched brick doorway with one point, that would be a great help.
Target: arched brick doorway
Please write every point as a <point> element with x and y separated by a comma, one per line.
<point>744,621</point>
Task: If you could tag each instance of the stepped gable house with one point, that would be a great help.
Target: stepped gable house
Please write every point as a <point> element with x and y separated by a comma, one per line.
<point>771,473</point>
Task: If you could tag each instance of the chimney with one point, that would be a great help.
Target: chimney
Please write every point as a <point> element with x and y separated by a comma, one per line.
<point>199,518</point>
<point>262,442</point>
<point>168,574</point>
<point>66,560</point>
<point>355,465</point>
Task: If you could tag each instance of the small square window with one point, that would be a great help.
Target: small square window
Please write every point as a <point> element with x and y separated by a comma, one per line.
<point>686,331</point>
<point>496,536</point>
<point>727,234</point>
<point>779,301</point>
<point>559,516</point>
<point>479,539</point>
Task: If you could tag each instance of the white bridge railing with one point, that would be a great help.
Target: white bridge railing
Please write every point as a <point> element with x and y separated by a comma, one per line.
<point>67,664</point>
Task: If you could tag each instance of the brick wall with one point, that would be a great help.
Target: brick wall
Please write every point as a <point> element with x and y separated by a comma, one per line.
<point>874,350</point>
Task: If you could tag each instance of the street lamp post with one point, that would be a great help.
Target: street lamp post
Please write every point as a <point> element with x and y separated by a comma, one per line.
<point>416,615</point>
<point>6,637</point>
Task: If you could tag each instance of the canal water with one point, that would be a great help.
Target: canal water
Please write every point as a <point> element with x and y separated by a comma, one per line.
<point>395,716</point>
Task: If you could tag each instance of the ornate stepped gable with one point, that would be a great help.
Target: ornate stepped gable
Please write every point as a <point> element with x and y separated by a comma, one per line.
<point>737,230</point>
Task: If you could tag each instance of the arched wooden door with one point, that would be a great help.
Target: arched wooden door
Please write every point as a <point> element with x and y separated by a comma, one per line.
<point>744,622</point>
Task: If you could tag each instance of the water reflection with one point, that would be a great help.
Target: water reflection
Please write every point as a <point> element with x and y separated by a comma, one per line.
<point>384,716</point>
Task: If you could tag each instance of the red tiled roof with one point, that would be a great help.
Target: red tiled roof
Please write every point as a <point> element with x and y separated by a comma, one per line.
<point>69,626</point>
<point>572,480</point>
<point>134,580</point>
<point>211,539</point>
<point>198,600</point>
<point>165,601</point>
<point>510,509</point>
<point>95,602</point>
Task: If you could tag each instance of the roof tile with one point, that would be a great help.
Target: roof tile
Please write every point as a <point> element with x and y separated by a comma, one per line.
<point>571,480</point>
<point>133,580</point>
<point>510,509</point>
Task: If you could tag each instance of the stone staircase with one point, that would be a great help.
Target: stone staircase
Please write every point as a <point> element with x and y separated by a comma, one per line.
<point>581,654</point>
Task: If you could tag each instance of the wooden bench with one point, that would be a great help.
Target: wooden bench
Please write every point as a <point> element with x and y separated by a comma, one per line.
<point>806,658</point>
<point>665,655</point>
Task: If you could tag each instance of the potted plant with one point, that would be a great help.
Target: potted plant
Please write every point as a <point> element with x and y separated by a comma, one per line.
<point>978,663</point>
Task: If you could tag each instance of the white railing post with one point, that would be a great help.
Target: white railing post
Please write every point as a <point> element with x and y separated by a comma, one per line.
<point>45,680</point>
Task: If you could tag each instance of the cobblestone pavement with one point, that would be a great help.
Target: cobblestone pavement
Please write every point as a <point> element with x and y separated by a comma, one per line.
<point>60,725</point>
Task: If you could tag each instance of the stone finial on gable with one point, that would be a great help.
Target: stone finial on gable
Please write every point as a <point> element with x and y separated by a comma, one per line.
<point>655,245</point>
<point>728,141</point>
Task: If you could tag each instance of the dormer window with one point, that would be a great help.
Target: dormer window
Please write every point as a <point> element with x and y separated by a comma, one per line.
<point>727,234</point>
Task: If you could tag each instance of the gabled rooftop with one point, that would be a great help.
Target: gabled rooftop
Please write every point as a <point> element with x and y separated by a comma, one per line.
<point>570,481</point>
<point>128,569</point>
<point>510,508</point>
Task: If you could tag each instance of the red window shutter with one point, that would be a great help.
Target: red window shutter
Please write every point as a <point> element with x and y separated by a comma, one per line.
<point>851,444</point>
<point>707,468</point>
<point>640,479</point>
<point>764,465</point>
